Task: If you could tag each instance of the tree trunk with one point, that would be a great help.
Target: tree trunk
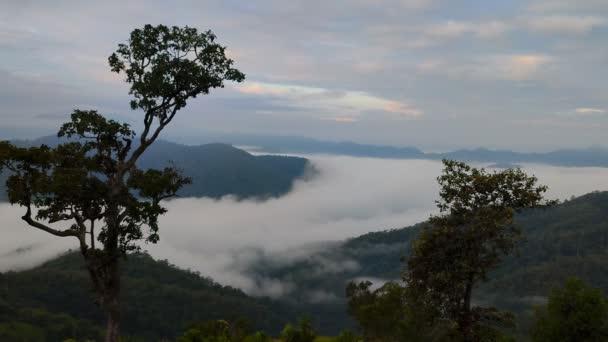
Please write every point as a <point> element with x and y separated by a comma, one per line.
<point>465,323</point>
<point>111,301</point>
<point>113,326</point>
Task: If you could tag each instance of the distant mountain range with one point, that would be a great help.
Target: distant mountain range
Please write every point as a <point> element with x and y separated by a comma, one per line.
<point>589,157</point>
<point>216,169</point>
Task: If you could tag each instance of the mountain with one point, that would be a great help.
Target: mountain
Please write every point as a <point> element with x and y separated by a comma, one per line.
<point>220,169</point>
<point>590,157</point>
<point>597,157</point>
<point>160,300</point>
<point>216,169</point>
<point>569,239</point>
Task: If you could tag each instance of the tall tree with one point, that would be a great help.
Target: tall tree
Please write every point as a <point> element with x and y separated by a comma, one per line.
<point>90,187</point>
<point>470,237</point>
<point>576,312</point>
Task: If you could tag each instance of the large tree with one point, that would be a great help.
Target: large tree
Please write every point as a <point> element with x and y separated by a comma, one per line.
<point>89,187</point>
<point>470,237</point>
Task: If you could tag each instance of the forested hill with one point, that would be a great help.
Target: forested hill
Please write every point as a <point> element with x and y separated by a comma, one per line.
<point>569,239</point>
<point>216,169</point>
<point>220,169</point>
<point>160,300</point>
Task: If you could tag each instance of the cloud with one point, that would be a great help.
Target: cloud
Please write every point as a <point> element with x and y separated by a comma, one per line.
<point>224,238</point>
<point>567,5</point>
<point>518,67</point>
<point>352,105</point>
<point>443,58</point>
<point>589,111</point>
<point>340,119</point>
<point>563,24</point>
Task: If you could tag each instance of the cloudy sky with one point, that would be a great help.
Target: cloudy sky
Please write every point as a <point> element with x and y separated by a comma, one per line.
<point>520,74</point>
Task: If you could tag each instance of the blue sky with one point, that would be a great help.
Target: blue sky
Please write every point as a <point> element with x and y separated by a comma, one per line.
<point>525,75</point>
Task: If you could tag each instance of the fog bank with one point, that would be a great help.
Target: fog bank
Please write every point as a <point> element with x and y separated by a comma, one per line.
<point>350,196</point>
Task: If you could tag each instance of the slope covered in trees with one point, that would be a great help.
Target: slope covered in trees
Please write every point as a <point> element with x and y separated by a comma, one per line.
<point>160,300</point>
<point>569,239</point>
<point>216,170</point>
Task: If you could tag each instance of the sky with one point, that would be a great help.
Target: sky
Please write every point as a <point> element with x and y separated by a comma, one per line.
<point>519,74</point>
<point>223,238</point>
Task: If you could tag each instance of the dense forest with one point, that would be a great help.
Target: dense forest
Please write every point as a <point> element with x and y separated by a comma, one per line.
<point>216,170</point>
<point>569,239</point>
<point>565,240</point>
<point>161,300</point>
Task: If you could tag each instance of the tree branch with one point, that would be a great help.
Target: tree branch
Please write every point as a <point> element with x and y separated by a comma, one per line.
<point>62,233</point>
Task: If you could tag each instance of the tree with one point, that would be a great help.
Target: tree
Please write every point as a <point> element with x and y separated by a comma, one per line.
<point>90,187</point>
<point>576,312</point>
<point>303,332</point>
<point>347,336</point>
<point>386,314</point>
<point>472,234</point>
<point>381,314</point>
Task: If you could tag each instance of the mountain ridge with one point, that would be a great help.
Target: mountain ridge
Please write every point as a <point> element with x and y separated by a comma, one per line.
<point>216,170</point>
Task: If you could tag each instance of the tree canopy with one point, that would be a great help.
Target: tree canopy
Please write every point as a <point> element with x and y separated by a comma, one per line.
<point>93,178</point>
<point>472,234</point>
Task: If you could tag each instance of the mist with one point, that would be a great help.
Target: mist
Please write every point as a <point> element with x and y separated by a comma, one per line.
<point>349,197</point>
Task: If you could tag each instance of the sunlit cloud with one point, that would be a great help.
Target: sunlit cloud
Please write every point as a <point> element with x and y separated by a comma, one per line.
<point>495,67</point>
<point>590,111</point>
<point>355,103</point>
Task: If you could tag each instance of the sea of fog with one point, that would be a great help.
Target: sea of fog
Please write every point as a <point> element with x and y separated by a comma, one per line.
<point>349,197</point>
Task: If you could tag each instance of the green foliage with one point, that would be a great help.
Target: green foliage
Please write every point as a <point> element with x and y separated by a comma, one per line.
<point>258,336</point>
<point>347,336</point>
<point>221,331</point>
<point>381,314</point>
<point>302,332</point>
<point>74,182</point>
<point>576,312</point>
<point>158,298</point>
<point>472,236</point>
<point>94,178</point>
<point>169,65</point>
<point>25,324</point>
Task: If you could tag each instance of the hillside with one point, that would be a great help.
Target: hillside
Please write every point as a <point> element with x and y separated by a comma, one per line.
<point>216,169</point>
<point>160,299</point>
<point>570,239</point>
